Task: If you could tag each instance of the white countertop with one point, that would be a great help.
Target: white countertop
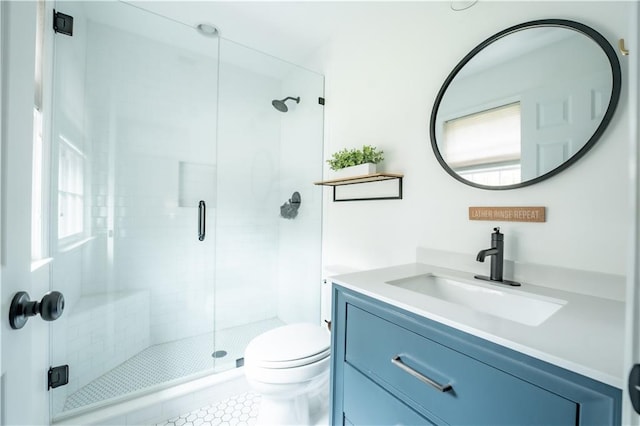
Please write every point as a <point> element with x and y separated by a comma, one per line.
<point>585,336</point>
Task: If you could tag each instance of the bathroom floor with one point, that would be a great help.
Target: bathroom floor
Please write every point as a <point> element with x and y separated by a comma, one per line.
<point>239,410</point>
<point>170,361</point>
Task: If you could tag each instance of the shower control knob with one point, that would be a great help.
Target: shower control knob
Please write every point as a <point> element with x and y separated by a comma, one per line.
<point>50,308</point>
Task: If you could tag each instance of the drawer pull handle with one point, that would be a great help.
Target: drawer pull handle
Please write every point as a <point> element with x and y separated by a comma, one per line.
<point>404,367</point>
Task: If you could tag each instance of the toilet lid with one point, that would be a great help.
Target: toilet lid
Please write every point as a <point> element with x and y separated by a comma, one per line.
<point>289,346</point>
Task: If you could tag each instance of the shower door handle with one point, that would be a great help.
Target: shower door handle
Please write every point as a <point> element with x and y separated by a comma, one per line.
<point>202,220</point>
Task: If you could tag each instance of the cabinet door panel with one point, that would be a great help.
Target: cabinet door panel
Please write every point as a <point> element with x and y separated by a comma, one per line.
<point>481,394</point>
<point>366,403</point>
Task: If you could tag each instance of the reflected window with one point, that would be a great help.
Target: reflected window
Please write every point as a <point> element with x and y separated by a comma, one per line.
<point>494,158</point>
<point>505,174</point>
<point>70,191</point>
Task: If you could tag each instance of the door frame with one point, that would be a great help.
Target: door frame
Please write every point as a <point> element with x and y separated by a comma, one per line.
<point>24,360</point>
<point>2,64</point>
<point>632,328</point>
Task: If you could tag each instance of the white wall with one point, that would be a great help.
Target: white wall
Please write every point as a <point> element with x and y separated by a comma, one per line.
<point>382,76</point>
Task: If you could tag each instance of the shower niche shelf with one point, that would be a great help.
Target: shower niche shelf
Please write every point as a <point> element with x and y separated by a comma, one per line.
<point>372,192</point>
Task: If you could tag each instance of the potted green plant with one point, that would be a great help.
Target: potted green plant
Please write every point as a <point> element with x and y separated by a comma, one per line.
<point>355,162</point>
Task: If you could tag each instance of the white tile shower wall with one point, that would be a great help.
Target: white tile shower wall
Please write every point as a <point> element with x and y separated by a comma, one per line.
<point>102,332</point>
<point>154,107</point>
<point>248,201</point>
<point>299,252</point>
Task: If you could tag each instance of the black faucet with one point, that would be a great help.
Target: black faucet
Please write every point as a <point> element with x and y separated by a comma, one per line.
<point>497,259</point>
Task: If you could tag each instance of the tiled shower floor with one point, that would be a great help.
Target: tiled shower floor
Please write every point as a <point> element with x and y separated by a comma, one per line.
<point>169,361</point>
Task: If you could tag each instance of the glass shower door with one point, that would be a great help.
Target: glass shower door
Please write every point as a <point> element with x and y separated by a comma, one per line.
<point>268,256</point>
<point>133,174</point>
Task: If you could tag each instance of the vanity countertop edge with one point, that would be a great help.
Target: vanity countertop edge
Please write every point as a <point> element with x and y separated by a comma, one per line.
<point>586,336</point>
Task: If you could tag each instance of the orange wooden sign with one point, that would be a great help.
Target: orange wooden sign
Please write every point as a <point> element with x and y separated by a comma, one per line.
<point>508,214</point>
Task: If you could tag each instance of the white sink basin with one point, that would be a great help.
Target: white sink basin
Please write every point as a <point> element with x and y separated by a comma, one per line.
<point>514,305</point>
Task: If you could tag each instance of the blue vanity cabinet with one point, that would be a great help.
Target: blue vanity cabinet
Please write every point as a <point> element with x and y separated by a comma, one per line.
<point>390,366</point>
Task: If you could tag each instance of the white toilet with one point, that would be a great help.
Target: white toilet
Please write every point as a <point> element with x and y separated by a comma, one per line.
<point>289,367</point>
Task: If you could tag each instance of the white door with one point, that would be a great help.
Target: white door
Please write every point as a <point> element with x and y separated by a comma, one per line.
<point>562,110</point>
<point>632,355</point>
<point>25,352</point>
<point>557,121</point>
<point>548,133</point>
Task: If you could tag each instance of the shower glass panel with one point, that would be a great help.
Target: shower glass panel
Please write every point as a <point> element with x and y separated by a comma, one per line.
<point>268,246</point>
<point>133,157</point>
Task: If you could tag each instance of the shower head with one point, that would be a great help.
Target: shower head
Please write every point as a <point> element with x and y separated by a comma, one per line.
<point>281,105</point>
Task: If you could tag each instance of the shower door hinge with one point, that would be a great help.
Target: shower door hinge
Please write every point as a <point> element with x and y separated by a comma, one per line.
<point>58,376</point>
<point>321,101</point>
<point>62,23</point>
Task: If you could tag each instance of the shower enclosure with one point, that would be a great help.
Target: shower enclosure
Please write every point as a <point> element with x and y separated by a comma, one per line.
<point>175,231</point>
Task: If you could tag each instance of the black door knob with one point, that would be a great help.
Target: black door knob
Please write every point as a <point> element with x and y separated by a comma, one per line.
<point>50,308</point>
<point>634,387</point>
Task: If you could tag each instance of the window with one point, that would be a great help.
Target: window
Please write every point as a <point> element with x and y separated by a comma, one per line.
<point>494,156</point>
<point>70,190</point>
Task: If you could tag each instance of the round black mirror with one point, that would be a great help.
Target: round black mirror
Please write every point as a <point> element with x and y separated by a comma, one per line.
<point>525,104</point>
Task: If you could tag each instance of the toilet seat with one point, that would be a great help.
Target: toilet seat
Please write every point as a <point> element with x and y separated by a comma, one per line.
<point>295,376</point>
<point>293,363</point>
<point>289,346</point>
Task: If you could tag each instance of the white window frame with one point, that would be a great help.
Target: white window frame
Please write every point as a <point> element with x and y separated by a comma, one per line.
<point>71,188</point>
<point>506,173</point>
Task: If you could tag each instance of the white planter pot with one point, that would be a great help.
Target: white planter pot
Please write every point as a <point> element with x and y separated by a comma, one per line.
<point>359,170</point>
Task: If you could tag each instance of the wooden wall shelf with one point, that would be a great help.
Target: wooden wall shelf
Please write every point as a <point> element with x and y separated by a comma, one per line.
<point>374,177</point>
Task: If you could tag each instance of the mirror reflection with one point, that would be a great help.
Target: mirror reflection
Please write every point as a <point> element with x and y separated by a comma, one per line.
<point>524,105</point>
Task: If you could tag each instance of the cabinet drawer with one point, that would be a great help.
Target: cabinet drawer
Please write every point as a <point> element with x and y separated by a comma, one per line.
<point>480,394</point>
<point>364,401</point>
